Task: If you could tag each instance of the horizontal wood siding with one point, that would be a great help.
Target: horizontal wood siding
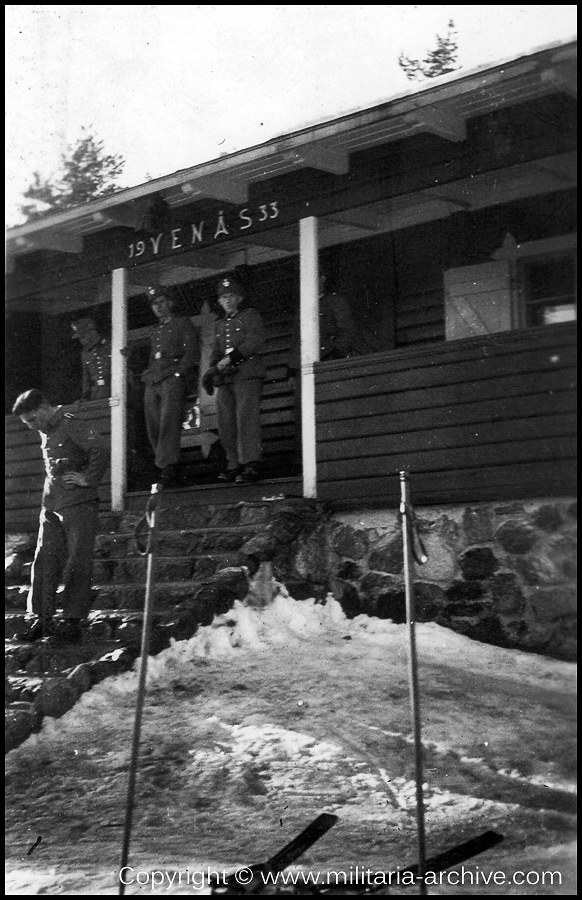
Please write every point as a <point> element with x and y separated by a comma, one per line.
<point>24,467</point>
<point>489,418</point>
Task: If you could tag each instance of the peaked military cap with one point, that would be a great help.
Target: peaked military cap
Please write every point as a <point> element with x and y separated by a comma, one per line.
<point>229,286</point>
<point>82,326</point>
<point>156,293</point>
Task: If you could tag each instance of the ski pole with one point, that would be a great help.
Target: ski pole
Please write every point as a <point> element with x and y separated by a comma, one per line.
<point>149,521</point>
<point>410,546</point>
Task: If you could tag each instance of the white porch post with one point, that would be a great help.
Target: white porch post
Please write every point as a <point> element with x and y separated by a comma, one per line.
<point>118,388</point>
<point>309,310</point>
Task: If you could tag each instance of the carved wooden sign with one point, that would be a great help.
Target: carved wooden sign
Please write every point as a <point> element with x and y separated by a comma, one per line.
<point>203,231</point>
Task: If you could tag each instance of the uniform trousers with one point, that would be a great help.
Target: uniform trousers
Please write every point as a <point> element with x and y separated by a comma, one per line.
<point>163,409</point>
<point>64,555</point>
<point>238,405</point>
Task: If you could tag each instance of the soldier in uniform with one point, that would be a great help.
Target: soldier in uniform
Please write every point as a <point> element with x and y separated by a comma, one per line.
<point>339,338</point>
<point>96,365</point>
<point>168,378</point>
<point>95,360</point>
<point>75,459</point>
<point>237,372</point>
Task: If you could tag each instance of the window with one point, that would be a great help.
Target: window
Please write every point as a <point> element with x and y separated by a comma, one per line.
<point>525,285</point>
<point>549,289</point>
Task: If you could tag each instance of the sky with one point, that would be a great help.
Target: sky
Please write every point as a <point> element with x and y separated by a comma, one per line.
<point>271,716</point>
<point>168,87</point>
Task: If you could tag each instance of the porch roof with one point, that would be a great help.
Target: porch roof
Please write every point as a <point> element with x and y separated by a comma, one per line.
<point>440,106</point>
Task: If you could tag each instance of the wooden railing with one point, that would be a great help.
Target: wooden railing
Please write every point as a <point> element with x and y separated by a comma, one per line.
<point>488,418</point>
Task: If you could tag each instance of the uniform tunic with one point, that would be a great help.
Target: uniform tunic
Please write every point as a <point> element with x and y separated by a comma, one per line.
<point>339,337</point>
<point>96,364</point>
<point>174,356</point>
<point>68,519</point>
<point>238,397</point>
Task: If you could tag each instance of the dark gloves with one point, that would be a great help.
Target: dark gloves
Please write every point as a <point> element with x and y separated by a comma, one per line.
<point>236,357</point>
<point>209,381</point>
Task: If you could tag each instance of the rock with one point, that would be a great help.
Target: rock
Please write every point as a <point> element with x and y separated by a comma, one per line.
<point>549,604</point>
<point>253,515</point>
<point>14,568</point>
<point>55,697</point>
<point>478,563</point>
<point>189,620</point>
<point>506,594</point>
<point>262,546</point>
<point>447,529</point>
<point>18,725</point>
<point>486,628</point>
<point>15,596</point>
<point>464,598</point>
<point>119,660</point>
<point>34,666</point>
<point>10,691</point>
<point>385,596</point>
<point>537,569</point>
<point>130,633</point>
<point>348,598</point>
<point>548,518</point>
<point>306,589</point>
<point>429,600</point>
<point>311,559</point>
<point>389,558</point>
<point>563,643</point>
<point>224,587</point>
<point>349,571</point>
<point>100,630</point>
<point>516,536</point>
<point>349,542</point>
<point>478,524</point>
<point>441,565</point>
<point>392,605</point>
<point>80,679</point>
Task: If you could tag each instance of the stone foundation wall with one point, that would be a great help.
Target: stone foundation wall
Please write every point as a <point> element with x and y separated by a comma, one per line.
<point>503,573</point>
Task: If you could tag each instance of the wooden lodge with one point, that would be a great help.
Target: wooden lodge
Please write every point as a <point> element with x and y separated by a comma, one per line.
<point>447,216</point>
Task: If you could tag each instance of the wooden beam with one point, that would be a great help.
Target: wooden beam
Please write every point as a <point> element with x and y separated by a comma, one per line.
<point>51,240</point>
<point>128,218</point>
<point>278,240</point>
<point>444,124</point>
<point>219,187</point>
<point>217,260</point>
<point>325,158</point>
<point>563,77</point>
<point>358,218</point>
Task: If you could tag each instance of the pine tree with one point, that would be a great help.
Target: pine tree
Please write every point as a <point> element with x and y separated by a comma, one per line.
<point>437,62</point>
<point>87,172</point>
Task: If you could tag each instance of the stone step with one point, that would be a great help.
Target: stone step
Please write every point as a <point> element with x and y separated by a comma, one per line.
<point>101,624</point>
<point>128,596</point>
<point>131,597</point>
<point>185,513</point>
<point>46,679</point>
<point>15,597</point>
<point>221,495</point>
<point>127,570</point>
<point>173,542</point>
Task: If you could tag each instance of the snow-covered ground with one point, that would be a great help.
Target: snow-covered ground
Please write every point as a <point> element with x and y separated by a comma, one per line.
<point>270,716</point>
